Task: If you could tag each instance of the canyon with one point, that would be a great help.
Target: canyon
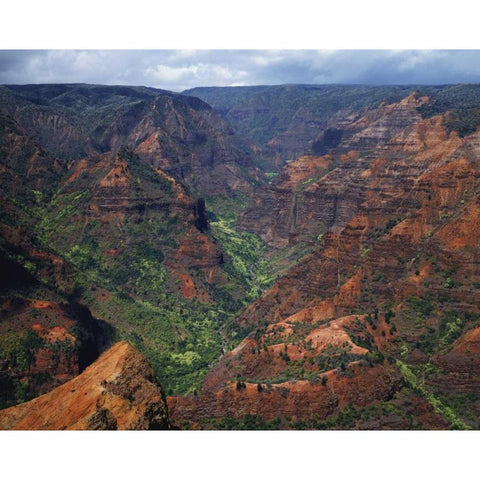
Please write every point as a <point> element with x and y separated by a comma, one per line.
<point>293,257</point>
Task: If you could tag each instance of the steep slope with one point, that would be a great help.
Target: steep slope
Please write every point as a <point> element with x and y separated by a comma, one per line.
<point>314,194</point>
<point>119,236</point>
<point>372,235</point>
<point>391,284</point>
<point>117,392</point>
<point>179,134</point>
<point>283,122</point>
<point>113,208</point>
<point>286,121</point>
<point>45,338</point>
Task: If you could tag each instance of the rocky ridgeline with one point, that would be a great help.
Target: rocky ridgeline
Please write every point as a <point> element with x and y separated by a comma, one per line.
<point>181,135</point>
<point>117,392</point>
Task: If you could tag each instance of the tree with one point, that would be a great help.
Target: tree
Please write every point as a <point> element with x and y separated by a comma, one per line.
<point>241,385</point>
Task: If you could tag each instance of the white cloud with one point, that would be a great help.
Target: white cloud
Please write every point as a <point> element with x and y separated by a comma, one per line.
<point>180,69</point>
<point>192,75</point>
<point>269,57</point>
<point>164,73</point>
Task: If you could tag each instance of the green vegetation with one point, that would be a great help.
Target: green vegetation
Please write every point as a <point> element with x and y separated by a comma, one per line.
<point>421,306</point>
<point>404,350</point>
<point>120,270</point>
<point>451,327</point>
<point>438,407</point>
<point>123,258</point>
<point>249,422</point>
<point>18,349</point>
<point>464,407</point>
<point>17,353</point>
<point>281,103</point>
<point>248,260</point>
<point>181,339</point>
<point>365,251</point>
<point>270,176</point>
<point>128,260</point>
<point>347,419</point>
<point>334,357</point>
<point>461,101</point>
<point>245,251</point>
<point>392,223</point>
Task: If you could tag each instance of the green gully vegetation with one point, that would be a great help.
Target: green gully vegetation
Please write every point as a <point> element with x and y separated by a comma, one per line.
<point>119,270</point>
<point>438,406</point>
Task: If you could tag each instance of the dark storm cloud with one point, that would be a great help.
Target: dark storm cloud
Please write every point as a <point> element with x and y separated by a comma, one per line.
<point>181,69</point>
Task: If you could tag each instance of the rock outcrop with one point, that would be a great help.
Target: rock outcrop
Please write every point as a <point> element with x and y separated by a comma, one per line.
<point>301,399</point>
<point>380,155</point>
<point>117,392</point>
<point>45,339</point>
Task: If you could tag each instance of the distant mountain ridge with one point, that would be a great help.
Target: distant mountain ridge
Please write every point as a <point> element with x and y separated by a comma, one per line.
<point>287,121</point>
<point>180,134</point>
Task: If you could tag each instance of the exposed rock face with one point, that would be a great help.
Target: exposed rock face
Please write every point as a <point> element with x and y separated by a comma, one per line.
<point>315,194</point>
<point>45,354</point>
<point>179,134</point>
<point>267,356</point>
<point>408,205</point>
<point>103,200</point>
<point>188,147</point>
<point>382,314</point>
<point>397,207</point>
<point>132,205</point>
<point>294,399</point>
<point>378,126</point>
<point>458,367</point>
<point>287,121</point>
<point>118,391</point>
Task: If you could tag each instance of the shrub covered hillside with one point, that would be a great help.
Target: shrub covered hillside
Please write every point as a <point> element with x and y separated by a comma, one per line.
<point>105,226</point>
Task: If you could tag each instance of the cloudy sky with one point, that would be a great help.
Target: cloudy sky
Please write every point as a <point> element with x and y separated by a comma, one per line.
<point>181,69</point>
